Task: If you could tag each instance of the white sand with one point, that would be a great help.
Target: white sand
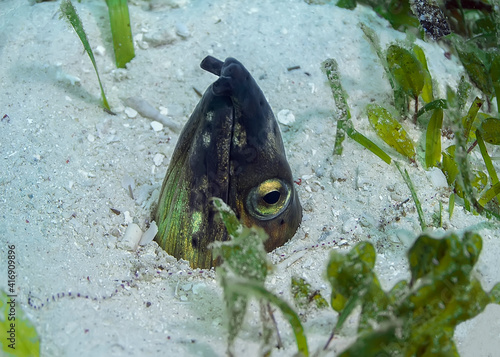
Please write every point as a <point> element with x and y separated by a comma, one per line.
<point>63,160</point>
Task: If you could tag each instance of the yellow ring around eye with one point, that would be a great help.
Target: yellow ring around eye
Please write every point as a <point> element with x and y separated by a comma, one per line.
<point>268,199</point>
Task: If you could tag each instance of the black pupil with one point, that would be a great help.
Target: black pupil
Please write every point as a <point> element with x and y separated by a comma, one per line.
<point>272,197</point>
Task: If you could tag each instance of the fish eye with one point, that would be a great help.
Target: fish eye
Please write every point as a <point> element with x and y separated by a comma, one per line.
<point>272,197</point>
<point>269,199</point>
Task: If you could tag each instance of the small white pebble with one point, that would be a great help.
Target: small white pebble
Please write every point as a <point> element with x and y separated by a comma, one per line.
<point>197,288</point>
<point>157,126</point>
<point>100,50</point>
<point>180,74</point>
<point>158,159</point>
<point>437,178</point>
<point>286,117</point>
<point>163,110</point>
<point>71,79</point>
<point>131,237</point>
<point>342,242</point>
<point>128,218</point>
<point>131,113</point>
<point>150,234</point>
<point>143,45</point>
<point>68,98</point>
<point>160,38</point>
<point>350,225</point>
<point>182,30</point>
<point>91,138</point>
<point>406,237</point>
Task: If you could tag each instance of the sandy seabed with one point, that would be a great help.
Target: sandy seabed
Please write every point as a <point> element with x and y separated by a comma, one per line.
<point>65,163</point>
